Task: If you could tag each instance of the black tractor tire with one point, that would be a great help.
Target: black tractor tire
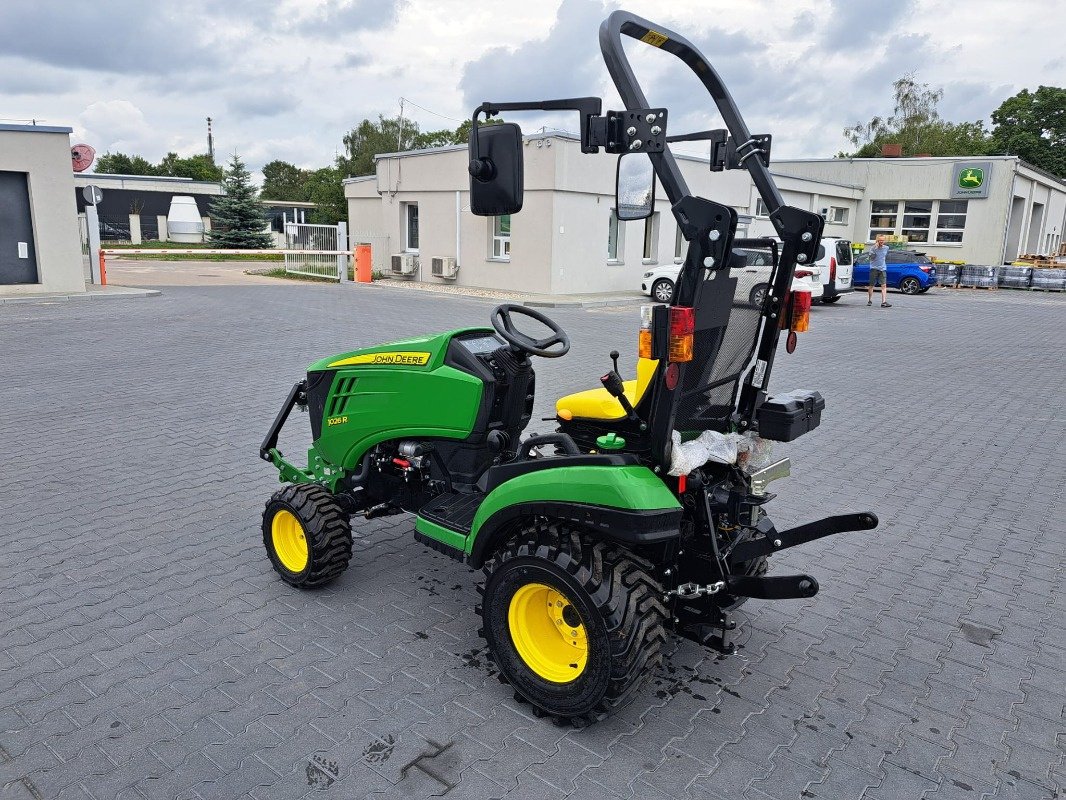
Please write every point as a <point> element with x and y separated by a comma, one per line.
<point>614,599</point>
<point>910,285</point>
<point>662,290</point>
<point>829,300</point>
<point>757,295</point>
<point>323,527</point>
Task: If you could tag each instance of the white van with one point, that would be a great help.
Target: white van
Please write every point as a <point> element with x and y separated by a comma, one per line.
<point>836,268</point>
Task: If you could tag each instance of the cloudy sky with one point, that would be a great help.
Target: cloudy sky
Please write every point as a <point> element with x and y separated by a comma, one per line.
<point>287,78</point>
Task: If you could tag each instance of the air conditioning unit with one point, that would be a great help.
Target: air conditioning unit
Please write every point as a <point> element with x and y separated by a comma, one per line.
<point>444,268</point>
<point>404,264</point>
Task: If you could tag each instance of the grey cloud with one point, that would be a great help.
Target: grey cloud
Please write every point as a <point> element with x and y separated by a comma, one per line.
<point>128,37</point>
<point>344,17</point>
<point>860,23</point>
<point>262,103</point>
<point>565,64</point>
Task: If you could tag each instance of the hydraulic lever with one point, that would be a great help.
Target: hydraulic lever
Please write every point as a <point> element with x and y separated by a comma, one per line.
<point>614,385</point>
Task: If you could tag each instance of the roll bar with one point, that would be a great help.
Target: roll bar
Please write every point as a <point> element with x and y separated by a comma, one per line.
<point>621,23</point>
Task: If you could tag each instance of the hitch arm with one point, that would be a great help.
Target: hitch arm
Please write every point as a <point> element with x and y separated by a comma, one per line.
<point>773,540</point>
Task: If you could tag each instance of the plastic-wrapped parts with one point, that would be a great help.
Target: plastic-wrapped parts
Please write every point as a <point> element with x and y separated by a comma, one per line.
<point>1015,277</point>
<point>947,274</point>
<point>979,276</point>
<point>1053,279</point>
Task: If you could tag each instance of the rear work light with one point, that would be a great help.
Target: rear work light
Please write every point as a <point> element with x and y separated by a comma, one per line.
<point>682,333</point>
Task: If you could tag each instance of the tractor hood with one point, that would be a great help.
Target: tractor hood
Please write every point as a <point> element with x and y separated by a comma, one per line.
<point>422,351</point>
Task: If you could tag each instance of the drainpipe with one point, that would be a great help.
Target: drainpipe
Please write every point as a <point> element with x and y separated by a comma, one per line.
<point>458,223</point>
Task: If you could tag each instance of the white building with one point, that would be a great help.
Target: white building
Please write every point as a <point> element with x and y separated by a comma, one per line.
<point>39,247</point>
<point>567,240</point>
<point>985,210</point>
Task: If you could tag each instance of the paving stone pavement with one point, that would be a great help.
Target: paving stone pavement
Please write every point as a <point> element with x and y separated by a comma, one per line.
<point>147,650</point>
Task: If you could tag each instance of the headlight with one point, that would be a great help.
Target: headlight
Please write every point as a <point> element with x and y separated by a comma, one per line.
<point>647,274</point>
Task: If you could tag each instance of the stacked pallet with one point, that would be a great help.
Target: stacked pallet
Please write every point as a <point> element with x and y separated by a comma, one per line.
<point>1051,280</point>
<point>979,276</point>
<point>947,274</point>
<point>1015,277</point>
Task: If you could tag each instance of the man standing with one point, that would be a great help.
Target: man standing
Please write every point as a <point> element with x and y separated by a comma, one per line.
<point>878,272</point>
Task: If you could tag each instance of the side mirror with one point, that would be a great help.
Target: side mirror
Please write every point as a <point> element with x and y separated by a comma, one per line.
<point>496,169</point>
<point>634,187</point>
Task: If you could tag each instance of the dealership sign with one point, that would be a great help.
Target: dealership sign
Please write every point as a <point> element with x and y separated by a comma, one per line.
<point>971,180</point>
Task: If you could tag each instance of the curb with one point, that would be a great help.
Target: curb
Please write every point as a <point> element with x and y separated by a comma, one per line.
<point>532,303</point>
<point>93,295</point>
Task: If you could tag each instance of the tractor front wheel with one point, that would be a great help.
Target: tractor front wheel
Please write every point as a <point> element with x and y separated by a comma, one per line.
<point>574,625</point>
<point>307,536</point>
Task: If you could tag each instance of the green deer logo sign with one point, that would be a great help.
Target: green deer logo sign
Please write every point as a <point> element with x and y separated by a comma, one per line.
<point>971,178</point>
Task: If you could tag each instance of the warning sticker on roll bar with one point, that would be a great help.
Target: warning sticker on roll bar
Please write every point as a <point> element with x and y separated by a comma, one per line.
<point>654,38</point>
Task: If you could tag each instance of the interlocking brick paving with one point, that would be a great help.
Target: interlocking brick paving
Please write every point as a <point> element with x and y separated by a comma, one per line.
<point>148,649</point>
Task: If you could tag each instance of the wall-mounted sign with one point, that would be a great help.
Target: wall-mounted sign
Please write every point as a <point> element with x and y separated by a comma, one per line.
<point>970,180</point>
<point>92,194</point>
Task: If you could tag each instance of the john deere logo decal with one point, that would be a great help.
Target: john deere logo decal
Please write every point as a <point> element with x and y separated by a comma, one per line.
<point>971,178</point>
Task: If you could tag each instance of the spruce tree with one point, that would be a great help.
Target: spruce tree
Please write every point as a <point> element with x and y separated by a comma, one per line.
<point>237,218</point>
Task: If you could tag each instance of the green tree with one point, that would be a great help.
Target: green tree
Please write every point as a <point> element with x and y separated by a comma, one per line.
<point>237,219</point>
<point>122,164</point>
<point>916,125</point>
<point>368,139</point>
<point>284,181</point>
<point>198,168</point>
<point>1033,125</point>
<point>323,187</point>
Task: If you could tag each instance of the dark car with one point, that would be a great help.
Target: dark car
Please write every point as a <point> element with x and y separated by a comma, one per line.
<point>908,271</point>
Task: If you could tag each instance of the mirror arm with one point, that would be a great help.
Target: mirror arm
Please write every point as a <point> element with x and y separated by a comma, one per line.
<point>587,108</point>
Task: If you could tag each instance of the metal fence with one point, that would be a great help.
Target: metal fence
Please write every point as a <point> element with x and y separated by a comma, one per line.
<point>311,238</point>
<point>114,228</point>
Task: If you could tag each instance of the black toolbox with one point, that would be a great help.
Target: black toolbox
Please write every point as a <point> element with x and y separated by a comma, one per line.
<point>785,417</point>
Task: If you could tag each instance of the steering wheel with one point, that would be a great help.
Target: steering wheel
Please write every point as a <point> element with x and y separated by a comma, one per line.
<point>501,321</point>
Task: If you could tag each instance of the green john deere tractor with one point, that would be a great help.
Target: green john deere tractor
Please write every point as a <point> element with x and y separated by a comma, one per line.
<point>645,511</point>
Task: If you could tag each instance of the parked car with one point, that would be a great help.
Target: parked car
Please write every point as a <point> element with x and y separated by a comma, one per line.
<point>751,284</point>
<point>909,271</point>
<point>836,266</point>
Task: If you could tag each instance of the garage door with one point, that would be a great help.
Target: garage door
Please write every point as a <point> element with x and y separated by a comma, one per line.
<point>18,259</point>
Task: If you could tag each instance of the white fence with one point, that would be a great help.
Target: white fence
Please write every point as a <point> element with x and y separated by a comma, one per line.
<point>304,245</point>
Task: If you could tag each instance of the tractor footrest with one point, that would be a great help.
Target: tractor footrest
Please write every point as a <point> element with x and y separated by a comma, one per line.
<point>452,510</point>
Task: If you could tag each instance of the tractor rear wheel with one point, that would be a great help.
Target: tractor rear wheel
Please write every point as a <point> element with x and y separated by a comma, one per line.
<point>307,535</point>
<point>575,625</point>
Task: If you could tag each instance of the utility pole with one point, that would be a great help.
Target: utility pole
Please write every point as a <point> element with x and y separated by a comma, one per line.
<point>210,142</point>
<point>399,133</point>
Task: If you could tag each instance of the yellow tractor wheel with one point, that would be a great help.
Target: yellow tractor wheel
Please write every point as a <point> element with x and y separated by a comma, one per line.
<point>307,535</point>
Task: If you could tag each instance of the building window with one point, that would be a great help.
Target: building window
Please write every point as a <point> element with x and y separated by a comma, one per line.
<point>951,220</point>
<point>501,237</point>
<point>679,246</point>
<point>883,217</point>
<point>651,239</point>
<point>760,208</point>
<point>838,215</point>
<point>616,231</point>
<point>914,219</point>
<point>411,226</point>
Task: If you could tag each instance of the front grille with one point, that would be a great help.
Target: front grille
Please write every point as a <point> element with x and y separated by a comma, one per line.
<point>343,397</point>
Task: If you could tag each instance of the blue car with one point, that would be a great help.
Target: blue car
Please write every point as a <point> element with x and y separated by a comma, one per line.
<point>908,271</point>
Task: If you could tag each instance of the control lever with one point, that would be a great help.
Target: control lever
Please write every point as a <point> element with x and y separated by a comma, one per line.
<point>612,382</point>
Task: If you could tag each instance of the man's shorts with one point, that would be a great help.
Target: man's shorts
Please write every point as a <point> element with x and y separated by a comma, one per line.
<point>877,277</point>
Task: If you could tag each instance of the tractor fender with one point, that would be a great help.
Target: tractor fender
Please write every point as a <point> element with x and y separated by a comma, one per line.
<point>627,504</point>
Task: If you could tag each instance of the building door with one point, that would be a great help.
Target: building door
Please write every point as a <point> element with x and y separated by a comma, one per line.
<point>1014,230</point>
<point>18,257</point>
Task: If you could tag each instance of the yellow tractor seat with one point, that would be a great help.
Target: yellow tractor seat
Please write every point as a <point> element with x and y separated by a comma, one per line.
<point>600,404</point>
